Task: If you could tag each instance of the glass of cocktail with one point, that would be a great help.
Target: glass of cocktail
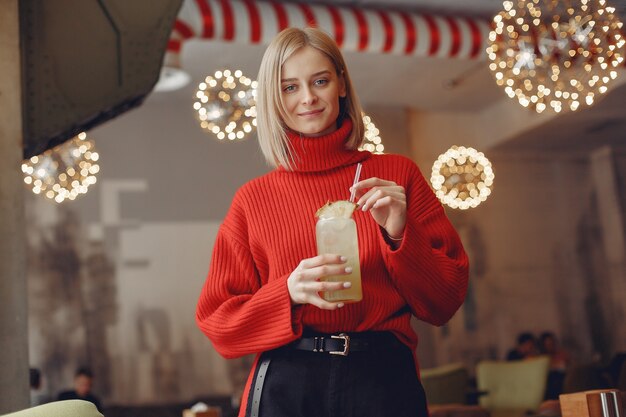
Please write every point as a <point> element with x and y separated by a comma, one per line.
<point>336,234</point>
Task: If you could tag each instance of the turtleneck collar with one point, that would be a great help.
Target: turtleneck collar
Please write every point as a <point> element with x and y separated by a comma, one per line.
<point>324,152</point>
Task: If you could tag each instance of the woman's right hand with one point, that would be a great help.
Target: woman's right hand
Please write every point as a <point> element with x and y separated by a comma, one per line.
<point>304,283</point>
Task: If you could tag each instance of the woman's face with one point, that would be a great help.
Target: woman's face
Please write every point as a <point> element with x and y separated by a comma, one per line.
<point>310,90</point>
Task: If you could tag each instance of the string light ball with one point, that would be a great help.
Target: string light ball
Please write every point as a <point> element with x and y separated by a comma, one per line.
<point>555,54</point>
<point>462,177</point>
<point>65,171</point>
<point>225,105</point>
<point>372,141</point>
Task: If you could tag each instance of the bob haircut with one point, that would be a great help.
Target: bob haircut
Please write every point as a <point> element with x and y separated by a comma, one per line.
<point>270,106</point>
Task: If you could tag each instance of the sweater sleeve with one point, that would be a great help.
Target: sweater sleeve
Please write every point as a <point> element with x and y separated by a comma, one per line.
<point>430,267</point>
<point>238,313</point>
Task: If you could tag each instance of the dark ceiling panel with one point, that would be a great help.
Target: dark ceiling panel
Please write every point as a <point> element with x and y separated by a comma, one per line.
<point>85,62</point>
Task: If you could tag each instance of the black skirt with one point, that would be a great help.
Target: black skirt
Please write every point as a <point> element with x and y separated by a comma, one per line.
<point>377,378</point>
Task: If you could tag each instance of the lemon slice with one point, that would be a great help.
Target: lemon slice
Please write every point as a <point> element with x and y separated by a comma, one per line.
<point>341,209</point>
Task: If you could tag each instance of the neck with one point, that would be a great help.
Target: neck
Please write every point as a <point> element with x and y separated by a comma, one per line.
<point>323,152</point>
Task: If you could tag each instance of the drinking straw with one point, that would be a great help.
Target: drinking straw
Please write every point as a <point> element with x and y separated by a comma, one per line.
<point>356,179</point>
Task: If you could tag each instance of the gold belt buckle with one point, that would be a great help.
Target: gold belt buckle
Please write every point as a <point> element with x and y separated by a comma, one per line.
<point>346,345</point>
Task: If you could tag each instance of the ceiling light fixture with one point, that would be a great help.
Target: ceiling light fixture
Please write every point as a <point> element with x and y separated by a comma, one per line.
<point>63,172</point>
<point>226,104</point>
<point>172,77</point>
<point>462,177</point>
<point>555,54</point>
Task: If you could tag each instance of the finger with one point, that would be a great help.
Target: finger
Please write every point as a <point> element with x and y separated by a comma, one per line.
<point>387,201</point>
<point>362,195</point>
<point>382,202</point>
<point>323,259</point>
<point>366,196</point>
<point>323,271</point>
<point>372,182</point>
<point>323,304</point>
<point>392,190</point>
<point>369,200</point>
<point>381,193</point>
<point>397,196</point>
<point>330,270</point>
<point>315,287</point>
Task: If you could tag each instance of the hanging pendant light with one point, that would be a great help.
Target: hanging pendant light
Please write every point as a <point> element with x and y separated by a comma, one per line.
<point>225,105</point>
<point>462,177</point>
<point>555,54</point>
<point>65,171</point>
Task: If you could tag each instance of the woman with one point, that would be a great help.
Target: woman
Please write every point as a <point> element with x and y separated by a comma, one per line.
<point>262,294</point>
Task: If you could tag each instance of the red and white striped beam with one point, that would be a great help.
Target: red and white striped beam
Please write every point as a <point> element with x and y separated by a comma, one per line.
<point>354,29</point>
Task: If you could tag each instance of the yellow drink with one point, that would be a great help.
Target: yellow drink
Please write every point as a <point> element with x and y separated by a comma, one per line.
<point>337,235</point>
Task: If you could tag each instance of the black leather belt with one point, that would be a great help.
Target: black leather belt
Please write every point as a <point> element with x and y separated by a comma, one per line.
<point>340,344</point>
<point>264,363</point>
<point>344,343</point>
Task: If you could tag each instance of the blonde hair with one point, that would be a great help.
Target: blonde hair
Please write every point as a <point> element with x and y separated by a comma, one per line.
<point>270,108</point>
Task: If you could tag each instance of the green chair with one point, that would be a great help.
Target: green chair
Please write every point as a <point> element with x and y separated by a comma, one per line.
<point>513,388</point>
<point>67,408</point>
<point>445,384</point>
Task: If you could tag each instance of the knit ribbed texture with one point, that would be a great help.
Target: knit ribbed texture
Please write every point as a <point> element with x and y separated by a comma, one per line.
<point>245,306</point>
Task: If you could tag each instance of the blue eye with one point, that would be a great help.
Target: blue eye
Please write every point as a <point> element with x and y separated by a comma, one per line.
<point>321,81</point>
<point>289,88</point>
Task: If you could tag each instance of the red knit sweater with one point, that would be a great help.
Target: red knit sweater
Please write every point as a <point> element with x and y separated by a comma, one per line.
<point>245,306</point>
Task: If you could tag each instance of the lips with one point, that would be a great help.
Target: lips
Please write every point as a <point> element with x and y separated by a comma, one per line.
<point>311,113</point>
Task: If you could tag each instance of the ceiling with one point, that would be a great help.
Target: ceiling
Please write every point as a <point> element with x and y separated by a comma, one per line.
<point>436,84</point>
<point>426,84</point>
<point>465,7</point>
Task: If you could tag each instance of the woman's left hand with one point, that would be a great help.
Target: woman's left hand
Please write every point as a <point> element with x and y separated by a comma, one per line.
<point>386,201</point>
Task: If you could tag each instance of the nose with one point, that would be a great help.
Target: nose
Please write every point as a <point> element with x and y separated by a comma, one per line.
<point>308,96</point>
